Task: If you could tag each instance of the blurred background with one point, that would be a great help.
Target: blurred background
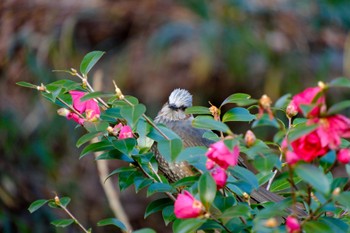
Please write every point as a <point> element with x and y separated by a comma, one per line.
<point>212,48</point>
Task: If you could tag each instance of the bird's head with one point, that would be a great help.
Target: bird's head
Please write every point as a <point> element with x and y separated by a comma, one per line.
<point>174,109</point>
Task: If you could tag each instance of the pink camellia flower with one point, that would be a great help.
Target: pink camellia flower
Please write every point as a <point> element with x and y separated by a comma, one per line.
<point>291,157</point>
<point>343,155</point>
<point>89,107</point>
<point>219,176</point>
<point>309,147</point>
<point>75,118</point>
<point>307,97</point>
<point>292,225</point>
<point>222,156</point>
<point>186,206</point>
<point>125,132</point>
<point>210,164</point>
<point>331,129</point>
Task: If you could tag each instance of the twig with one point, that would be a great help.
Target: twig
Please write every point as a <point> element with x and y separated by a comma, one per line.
<point>58,202</point>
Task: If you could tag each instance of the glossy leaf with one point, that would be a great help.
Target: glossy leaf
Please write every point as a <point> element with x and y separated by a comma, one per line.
<point>120,170</point>
<point>316,226</point>
<point>340,82</point>
<point>158,187</point>
<point>238,114</point>
<point>112,221</point>
<point>132,113</point>
<point>241,99</point>
<point>100,126</point>
<point>283,101</point>
<point>206,122</point>
<point>26,84</point>
<point>170,149</point>
<point>239,210</point>
<point>187,225</point>
<point>265,121</point>
<point>87,137</point>
<point>338,107</point>
<point>62,222</point>
<point>312,175</point>
<point>89,61</point>
<point>344,199</point>
<point>200,110</point>
<point>337,225</point>
<point>207,189</point>
<point>141,183</point>
<point>36,205</point>
<point>168,214</point>
<point>157,205</point>
<point>245,175</point>
<point>145,230</point>
<point>98,146</point>
<point>191,152</point>
<point>65,201</point>
<point>125,146</point>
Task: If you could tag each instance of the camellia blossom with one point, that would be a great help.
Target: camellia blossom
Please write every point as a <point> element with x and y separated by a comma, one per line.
<point>291,157</point>
<point>309,147</point>
<point>292,225</point>
<point>186,206</point>
<point>343,155</point>
<point>331,129</point>
<point>307,97</point>
<point>70,115</point>
<point>89,107</point>
<point>220,177</point>
<point>125,132</point>
<point>222,156</point>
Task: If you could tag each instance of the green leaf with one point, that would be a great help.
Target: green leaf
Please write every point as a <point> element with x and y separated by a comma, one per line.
<point>141,183</point>
<point>207,189</point>
<point>338,107</point>
<point>187,225</point>
<point>282,183</point>
<point>112,221</point>
<point>168,214</point>
<point>100,126</point>
<point>157,205</point>
<point>65,201</point>
<point>265,163</point>
<point>343,199</point>
<point>239,210</point>
<point>238,114</point>
<point>245,175</point>
<point>186,181</point>
<point>191,152</point>
<point>87,137</point>
<point>241,99</point>
<point>337,225</point>
<point>89,61</point>
<point>145,230</point>
<point>300,131</point>
<point>62,222</point>
<point>316,226</point>
<point>121,170</point>
<point>132,113</point>
<point>283,101</point>
<point>98,146</point>
<point>36,205</point>
<point>340,82</point>
<point>25,84</point>
<point>125,179</point>
<point>125,146</point>
<point>207,122</point>
<point>198,110</point>
<point>265,121</point>
<point>170,149</point>
<point>314,177</point>
<point>158,187</point>
<point>96,94</point>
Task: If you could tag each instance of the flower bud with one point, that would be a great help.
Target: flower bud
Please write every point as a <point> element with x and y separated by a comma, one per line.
<point>63,112</point>
<point>186,206</point>
<point>265,101</point>
<point>321,85</point>
<point>291,110</point>
<point>41,88</point>
<point>215,112</point>
<point>110,129</point>
<point>343,155</point>
<point>336,191</point>
<point>220,177</point>
<point>57,200</point>
<point>249,138</point>
<point>292,225</point>
<point>271,222</point>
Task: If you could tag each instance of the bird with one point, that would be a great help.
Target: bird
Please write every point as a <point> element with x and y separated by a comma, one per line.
<point>173,116</point>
